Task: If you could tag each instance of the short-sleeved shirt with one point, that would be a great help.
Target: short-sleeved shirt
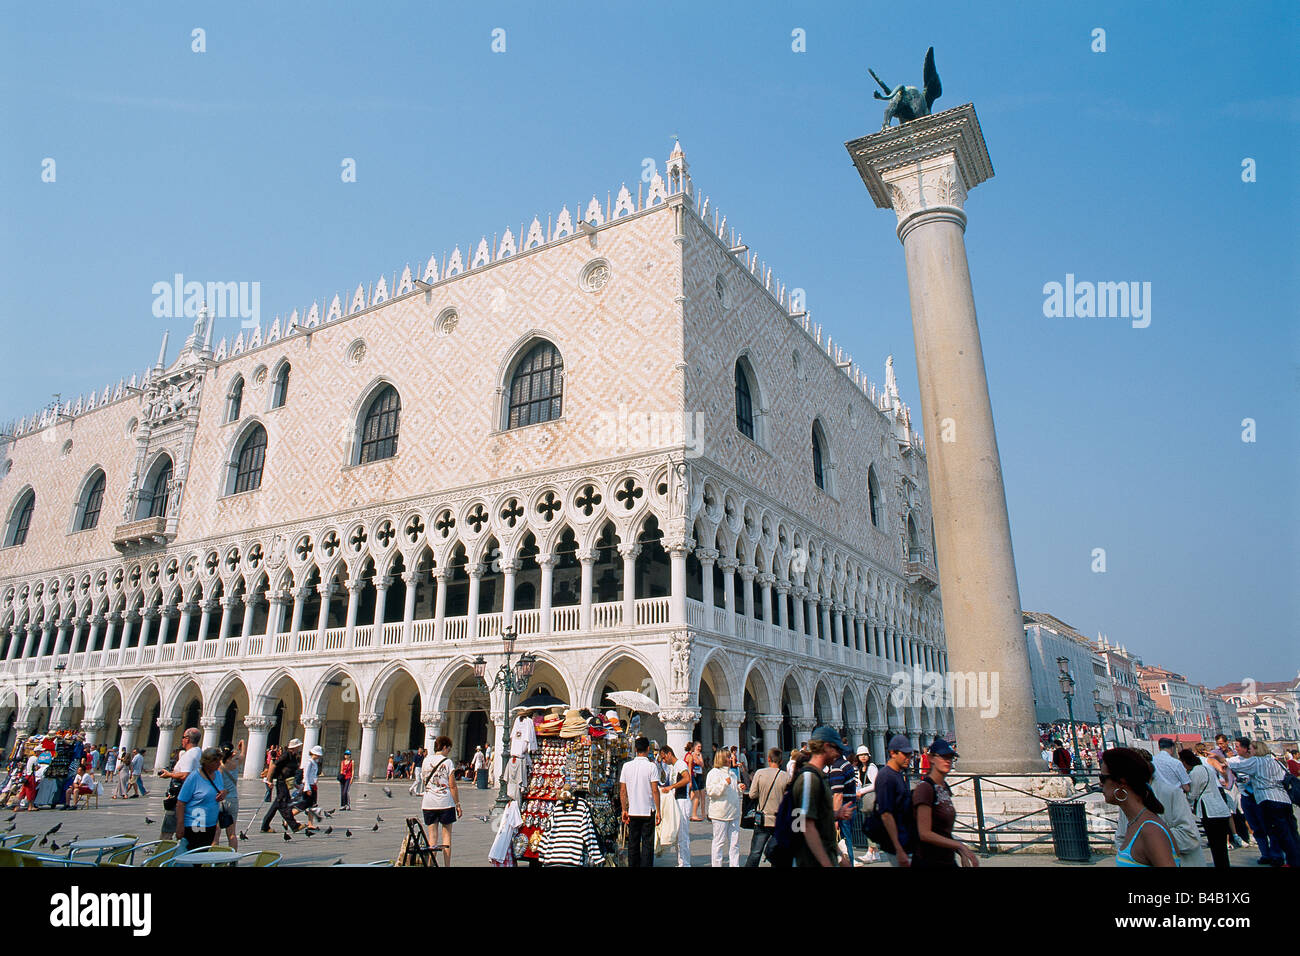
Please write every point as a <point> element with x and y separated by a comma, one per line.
<point>811,799</point>
<point>1170,769</point>
<point>437,784</point>
<point>894,796</point>
<point>942,816</point>
<point>479,762</point>
<point>199,794</point>
<point>188,761</point>
<point>641,779</point>
<point>137,764</point>
<point>842,779</point>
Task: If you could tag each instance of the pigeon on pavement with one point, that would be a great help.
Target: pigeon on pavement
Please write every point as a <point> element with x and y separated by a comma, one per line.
<point>329,830</point>
<point>148,819</point>
<point>375,828</point>
<point>347,833</point>
<point>388,793</point>
<point>287,837</point>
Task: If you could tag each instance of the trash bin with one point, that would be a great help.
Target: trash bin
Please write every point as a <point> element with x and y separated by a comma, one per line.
<point>1069,831</point>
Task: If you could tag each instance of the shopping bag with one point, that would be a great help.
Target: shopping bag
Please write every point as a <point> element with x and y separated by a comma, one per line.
<point>669,821</point>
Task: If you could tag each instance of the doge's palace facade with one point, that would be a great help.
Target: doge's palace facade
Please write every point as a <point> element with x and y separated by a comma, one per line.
<point>612,432</point>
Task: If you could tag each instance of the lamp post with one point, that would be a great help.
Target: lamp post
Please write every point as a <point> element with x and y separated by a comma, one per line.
<point>512,680</point>
<point>1101,716</point>
<point>1067,691</point>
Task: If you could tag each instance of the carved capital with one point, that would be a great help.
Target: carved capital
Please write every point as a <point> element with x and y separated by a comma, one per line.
<point>93,724</point>
<point>168,723</point>
<point>383,583</point>
<point>210,722</point>
<point>547,560</point>
<point>511,566</point>
<point>411,578</point>
<point>747,572</point>
<point>679,719</point>
<point>257,722</point>
<point>371,720</point>
<point>766,579</point>
<point>770,723</point>
<point>629,550</point>
<point>728,565</point>
<point>706,555</point>
<point>731,718</point>
<point>432,719</point>
<point>310,721</point>
<point>129,723</point>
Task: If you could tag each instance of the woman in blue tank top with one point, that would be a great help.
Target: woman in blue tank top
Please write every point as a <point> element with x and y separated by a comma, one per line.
<point>1125,782</point>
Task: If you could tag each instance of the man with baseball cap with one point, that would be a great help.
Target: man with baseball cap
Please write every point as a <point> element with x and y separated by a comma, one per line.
<point>813,814</point>
<point>310,774</point>
<point>894,802</point>
<point>283,775</point>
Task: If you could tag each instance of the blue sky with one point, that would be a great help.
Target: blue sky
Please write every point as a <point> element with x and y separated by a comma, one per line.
<point>1115,166</point>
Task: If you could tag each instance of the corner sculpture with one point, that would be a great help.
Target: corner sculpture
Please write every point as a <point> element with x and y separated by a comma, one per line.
<point>907,102</point>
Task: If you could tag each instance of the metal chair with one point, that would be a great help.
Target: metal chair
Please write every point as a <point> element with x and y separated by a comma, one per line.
<point>202,851</point>
<point>267,858</point>
<point>28,858</point>
<point>15,841</point>
<point>151,850</point>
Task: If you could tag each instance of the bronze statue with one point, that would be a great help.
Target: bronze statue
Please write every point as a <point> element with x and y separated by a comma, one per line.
<point>907,102</point>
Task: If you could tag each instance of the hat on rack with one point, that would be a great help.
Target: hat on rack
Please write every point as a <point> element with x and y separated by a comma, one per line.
<point>612,722</point>
<point>548,726</point>
<point>574,725</point>
<point>596,726</point>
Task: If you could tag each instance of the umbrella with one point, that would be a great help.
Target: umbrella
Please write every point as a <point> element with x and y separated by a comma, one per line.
<point>540,702</point>
<point>634,700</point>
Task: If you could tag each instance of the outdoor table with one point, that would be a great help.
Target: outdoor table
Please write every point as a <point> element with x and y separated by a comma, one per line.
<point>207,858</point>
<point>106,845</point>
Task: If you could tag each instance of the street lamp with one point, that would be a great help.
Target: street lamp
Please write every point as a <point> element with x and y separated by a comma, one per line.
<point>512,680</point>
<point>1101,716</point>
<point>1067,691</point>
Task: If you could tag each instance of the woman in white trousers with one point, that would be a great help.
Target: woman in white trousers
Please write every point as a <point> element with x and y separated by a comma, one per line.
<point>723,792</point>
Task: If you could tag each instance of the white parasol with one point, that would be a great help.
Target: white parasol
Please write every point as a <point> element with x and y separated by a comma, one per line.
<point>634,700</point>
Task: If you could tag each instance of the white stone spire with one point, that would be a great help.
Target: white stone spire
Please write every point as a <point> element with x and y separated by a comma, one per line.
<point>679,176</point>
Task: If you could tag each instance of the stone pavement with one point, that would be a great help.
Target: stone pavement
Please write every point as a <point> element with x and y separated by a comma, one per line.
<point>471,837</point>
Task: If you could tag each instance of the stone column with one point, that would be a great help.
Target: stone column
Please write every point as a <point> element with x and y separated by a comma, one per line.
<point>323,612</point>
<point>827,634</point>
<point>166,741</point>
<point>679,723</point>
<point>730,721</point>
<point>707,556</point>
<point>92,726</point>
<point>728,567</point>
<point>17,638</point>
<point>366,765</point>
<point>300,596</point>
<point>432,720</point>
<point>877,746</point>
<point>47,638</point>
<point>223,632</point>
<point>747,574</point>
<point>586,558</point>
<point>800,594</point>
<point>183,629</point>
<point>924,170</point>
<point>629,553</point>
<point>310,732</point>
<point>246,628</point>
<point>412,580</point>
<point>857,737</point>
<point>382,584</point>
<point>211,726</point>
<point>79,625</point>
<point>475,572</point>
<point>354,601</point>
<point>803,728</point>
<point>545,625</point>
<point>113,617</point>
<point>677,552</point>
<point>782,610</point>
<point>811,604</point>
<point>509,569</point>
<point>255,755</point>
<point>97,622</point>
<point>128,726</point>
<point>439,602</point>
<point>770,724</point>
<point>840,636</point>
<point>129,620</point>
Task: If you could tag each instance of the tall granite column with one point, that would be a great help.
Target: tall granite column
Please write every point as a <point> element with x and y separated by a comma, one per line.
<point>923,170</point>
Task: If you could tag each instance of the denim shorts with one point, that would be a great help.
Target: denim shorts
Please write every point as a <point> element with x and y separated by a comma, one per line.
<point>445,816</point>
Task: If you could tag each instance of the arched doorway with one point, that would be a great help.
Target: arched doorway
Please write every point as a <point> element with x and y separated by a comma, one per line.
<point>627,673</point>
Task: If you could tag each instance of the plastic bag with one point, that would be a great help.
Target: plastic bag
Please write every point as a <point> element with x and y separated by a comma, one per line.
<point>669,822</point>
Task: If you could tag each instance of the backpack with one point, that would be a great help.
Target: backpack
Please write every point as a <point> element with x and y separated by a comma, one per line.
<point>874,826</point>
<point>781,848</point>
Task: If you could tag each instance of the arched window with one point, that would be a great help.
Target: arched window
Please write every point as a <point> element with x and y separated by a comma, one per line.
<point>744,404</point>
<point>20,520</point>
<point>91,503</point>
<point>248,464</point>
<point>379,430</point>
<point>819,474</point>
<point>916,550</point>
<point>280,390</point>
<point>873,496</point>
<point>234,399</point>
<point>153,498</point>
<point>537,386</point>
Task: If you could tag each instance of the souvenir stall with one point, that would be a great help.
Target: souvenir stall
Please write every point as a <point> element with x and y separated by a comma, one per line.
<point>581,752</point>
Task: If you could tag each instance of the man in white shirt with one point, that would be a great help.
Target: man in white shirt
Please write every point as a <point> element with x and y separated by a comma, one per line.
<point>638,787</point>
<point>310,791</point>
<point>186,764</point>
<point>1169,768</point>
<point>679,779</point>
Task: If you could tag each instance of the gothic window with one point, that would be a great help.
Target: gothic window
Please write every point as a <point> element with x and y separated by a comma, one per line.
<point>21,520</point>
<point>91,503</point>
<point>873,496</point>
<point>280,390</point>
<point>234,399</point>
<point>744,404</point>
<point>818,451</point>
<point>379,430</point>
<point>536,388</point>
<point>153,498</point>
<point>248,464</point>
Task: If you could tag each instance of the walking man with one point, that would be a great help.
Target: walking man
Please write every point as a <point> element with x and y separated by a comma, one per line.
<point>894,802</point>
<point>282,776</point>
<point>767,788</point>
<point>816,843</point>
<point>186,764</point>
<point>678,788</point>
<point>137,771</point>
<point>310,790</point>
<point>639,792</point>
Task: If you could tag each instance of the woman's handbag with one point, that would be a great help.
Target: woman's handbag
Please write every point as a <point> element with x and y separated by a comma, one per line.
<point>341,779</point>
<point>224,817</point>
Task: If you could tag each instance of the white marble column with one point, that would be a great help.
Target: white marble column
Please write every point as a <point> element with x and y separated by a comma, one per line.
<point>259,728</point>
<point>782,607</point>
<point>730,721</point>
<point>707,557</point>
<point>211,727</point>
<point>677,551</point>
<point>366,766</point>
<point>310,732</point>
<point>586,558</point>
<point>770,724</point>
<point>432,720</point>
<point>92,727</point>
<point>439,603</point>
<point>679,724</point>
<point>382,584</point>
<point>924,171</point>
<point>166,741</point>
<point>354,602</point>
<point>747,574</point>
<point>412,581</point>
<point>475,572</point>
<point>629,553</point>
<point>728,567</point>
<point>129,726</point>
<point>183,629</point>
<point>300,597</point>
<point>547,563</point>
<point>509,569</point>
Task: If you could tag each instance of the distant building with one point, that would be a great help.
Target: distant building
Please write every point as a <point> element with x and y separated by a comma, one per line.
<point>1267,710</point>
<point>1048,638</point>
<point>1176,696</point>
<point>1121,668</point>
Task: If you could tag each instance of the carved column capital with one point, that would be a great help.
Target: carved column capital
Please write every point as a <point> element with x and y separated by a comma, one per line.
<point>168,723</point>
<point>679,719</point>
<point>370,720</point>
<point>770,723</point>
<point>310,721</point>
<point>730,719</point>
<point>210,722</point>
<point>259,722</point>
<point>706,555</point>
<point>432,718</point>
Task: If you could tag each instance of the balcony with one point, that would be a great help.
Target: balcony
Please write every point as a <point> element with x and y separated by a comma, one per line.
<point>919,569</point>
<point>145,533</point>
